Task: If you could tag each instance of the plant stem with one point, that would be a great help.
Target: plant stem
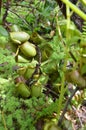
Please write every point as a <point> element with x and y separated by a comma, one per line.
<point>3,119</point>
<point>75,9</point>
<point>66,106</point>
<point>68,23</point>
<point>61,97</point>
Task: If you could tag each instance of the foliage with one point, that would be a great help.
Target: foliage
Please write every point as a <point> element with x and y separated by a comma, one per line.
<point>59,59</point>
<point>32,15</point>
<point>18,113</point>
<point>6,64</point>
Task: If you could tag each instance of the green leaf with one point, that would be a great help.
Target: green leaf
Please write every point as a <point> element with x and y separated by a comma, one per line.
<point>3,41</point>
<point>1,128</point>
<point>3,31</point>
<point>83,69</point>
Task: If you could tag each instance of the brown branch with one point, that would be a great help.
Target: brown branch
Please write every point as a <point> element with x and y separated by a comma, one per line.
<point>6,12</point>
<point>66,106</point>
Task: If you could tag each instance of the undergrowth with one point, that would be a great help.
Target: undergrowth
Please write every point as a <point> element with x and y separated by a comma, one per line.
<point>67,47</point>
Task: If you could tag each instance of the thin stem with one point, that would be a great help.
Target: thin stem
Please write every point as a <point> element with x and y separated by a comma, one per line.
<point>65,61</point>
<point>6,12</point>
<point>61,97</point>
<point>68,22</point>
<point>3,119</point>
<point>75,9</point>
<point>66,106</point>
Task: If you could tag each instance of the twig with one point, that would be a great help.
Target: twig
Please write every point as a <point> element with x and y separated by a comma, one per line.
<point>6,12</point>
<point>66,106</point>
<point>53,92</point>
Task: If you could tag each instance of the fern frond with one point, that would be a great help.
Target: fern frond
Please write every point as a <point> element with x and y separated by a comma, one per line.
<point>84,30</point>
